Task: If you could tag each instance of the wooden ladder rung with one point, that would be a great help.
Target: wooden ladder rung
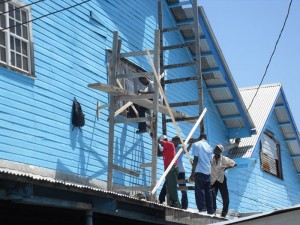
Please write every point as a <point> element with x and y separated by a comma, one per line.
<point>132,120</point>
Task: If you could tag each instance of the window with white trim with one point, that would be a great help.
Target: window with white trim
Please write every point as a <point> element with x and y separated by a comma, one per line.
<point>270,156</point>
<point>15,37</point>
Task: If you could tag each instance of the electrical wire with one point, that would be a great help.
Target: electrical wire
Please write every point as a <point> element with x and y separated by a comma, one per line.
<point>30,21</point>
<point>267,67</point>
<point>271,55</point>
<point>23,6</point>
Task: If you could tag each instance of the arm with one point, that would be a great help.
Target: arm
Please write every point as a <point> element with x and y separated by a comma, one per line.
<point>195,162</point>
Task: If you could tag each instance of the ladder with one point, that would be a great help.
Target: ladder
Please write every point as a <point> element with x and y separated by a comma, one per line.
<point>118,93</point>
<point>195,44</point>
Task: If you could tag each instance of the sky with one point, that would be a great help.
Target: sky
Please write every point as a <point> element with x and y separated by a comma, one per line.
<point>247,31</point>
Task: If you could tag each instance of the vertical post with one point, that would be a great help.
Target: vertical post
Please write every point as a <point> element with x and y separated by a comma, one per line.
<point>198,59</point>
<point>155,113</point>
<point>112,108</point>
<point>89,217</point>
<point>161,40</point>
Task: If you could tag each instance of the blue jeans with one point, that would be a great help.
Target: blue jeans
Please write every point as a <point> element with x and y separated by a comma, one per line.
<point>203,193</point>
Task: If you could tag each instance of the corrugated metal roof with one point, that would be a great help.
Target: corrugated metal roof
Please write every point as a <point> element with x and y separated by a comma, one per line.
<point>269,98</point>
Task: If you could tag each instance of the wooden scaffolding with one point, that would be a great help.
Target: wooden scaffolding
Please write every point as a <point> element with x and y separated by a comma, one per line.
<point>117,93</point>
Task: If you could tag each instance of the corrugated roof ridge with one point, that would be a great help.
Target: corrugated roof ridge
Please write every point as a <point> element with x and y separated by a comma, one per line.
<point>262,86</point>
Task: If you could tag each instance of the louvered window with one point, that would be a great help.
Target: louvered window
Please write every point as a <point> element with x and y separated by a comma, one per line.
<point>16,50</point>
<point>270,155</point>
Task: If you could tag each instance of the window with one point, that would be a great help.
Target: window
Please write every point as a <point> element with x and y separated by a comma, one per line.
<point>129,84</point>
<point>15,42</point>
<point>270,156</point>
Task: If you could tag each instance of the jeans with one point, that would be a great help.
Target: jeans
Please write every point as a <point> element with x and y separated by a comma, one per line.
<point>203,193</point>
<point>224,194</point>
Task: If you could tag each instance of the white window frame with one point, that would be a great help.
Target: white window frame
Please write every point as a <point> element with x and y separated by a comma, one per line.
<point>24,68</point>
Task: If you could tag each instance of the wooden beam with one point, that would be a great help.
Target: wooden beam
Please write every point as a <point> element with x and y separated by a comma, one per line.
<point>192,118</point>
<point>180,27</point>
<point>134,75</point>
<point>177,80</point>
<point>124,107</point>
<point>178,104</point>
<point>170,47</point>
<point>130,54</point>
<point>127,171</point>
<point>180,150</point>
<point>132,120</point>
<point>116,91</point>
<point>133,97</point>
<point>149,164</point>
<point>174,66</point>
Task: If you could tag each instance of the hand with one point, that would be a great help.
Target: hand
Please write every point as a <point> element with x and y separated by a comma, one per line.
<point>192,178</point>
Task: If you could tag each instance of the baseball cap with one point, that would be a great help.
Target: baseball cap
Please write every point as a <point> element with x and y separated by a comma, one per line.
<point>163,137</point>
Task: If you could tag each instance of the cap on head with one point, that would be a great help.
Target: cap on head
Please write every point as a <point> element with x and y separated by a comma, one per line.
<point>218,149</point>
<point>163,137</point>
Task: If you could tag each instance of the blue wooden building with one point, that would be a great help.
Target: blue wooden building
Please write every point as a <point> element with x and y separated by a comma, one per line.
<point>53,51</point>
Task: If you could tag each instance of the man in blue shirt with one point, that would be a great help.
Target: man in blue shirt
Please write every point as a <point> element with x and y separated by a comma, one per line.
<point>201,171</point>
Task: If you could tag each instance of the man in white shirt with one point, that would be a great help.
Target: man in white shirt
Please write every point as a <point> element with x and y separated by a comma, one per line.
<point>201,172</point>
<point>218,179</point>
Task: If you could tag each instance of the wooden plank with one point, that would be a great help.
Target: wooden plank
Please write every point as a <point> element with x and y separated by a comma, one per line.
<point>133,97</point>
<point>125,170</point>
<point>124,107</point>
<point>132,120</point>
<point>186,64</point>
<point>116,91</point>
<point>177,80</point>
<point>174,122</point>
<point>112,81</point>
<point>191,119</point>
<point>178,104</point>
<point>135,75</point>
<point>149,164</point>
<point>179,152</point>
<point>181,27</point>
<point>187,44</point>
<point>131,54</point>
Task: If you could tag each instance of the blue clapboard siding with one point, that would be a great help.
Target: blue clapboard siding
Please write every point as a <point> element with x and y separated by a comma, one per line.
<point>251,189</point>
<point>70,53</point>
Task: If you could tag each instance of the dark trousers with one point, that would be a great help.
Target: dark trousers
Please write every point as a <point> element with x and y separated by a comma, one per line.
<point>184,199</point>
<point>224,194</point>
<point>203,193</point>
<point>142,114</point>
